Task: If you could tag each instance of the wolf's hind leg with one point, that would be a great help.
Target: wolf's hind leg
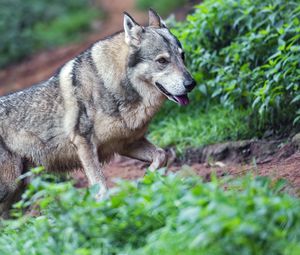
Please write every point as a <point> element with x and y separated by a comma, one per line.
<point>10,189</point>
<point>146,151</point>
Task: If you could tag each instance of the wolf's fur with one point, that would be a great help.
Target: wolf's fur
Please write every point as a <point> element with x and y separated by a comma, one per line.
<point>96,105</point>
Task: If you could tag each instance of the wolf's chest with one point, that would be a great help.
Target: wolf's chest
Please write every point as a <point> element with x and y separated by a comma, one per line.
<point>117,129</point>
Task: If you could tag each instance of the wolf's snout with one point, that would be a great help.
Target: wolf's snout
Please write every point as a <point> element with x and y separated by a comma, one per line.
<point>189,84</point>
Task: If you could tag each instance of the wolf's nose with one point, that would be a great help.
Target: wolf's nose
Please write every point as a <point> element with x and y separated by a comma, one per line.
<point>189,84</point>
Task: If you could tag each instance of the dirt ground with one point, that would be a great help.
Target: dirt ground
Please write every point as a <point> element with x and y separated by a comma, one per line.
<point>40,66</point>
<point>283,164</point>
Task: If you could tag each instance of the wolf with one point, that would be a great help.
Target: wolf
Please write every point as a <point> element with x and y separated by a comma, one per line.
<point>96,105</point>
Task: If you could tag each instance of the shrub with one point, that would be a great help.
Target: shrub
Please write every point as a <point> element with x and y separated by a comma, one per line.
<point>245,53</point>
<point>26,26</point>
<point>158,215</point>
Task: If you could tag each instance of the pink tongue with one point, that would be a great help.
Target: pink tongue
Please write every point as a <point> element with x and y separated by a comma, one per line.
<point>182,100</point>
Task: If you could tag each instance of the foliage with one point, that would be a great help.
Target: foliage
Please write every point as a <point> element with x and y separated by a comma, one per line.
<point>158,215</point>
<point>64,29</point>
<point>163,7</point>
<point>245,54</point>
<point>26,26</point>
<point>193,126</point>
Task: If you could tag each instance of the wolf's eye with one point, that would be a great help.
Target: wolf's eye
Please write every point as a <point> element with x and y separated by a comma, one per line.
<point>162,60</point>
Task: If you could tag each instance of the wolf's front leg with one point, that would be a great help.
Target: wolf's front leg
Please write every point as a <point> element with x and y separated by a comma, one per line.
<point>87,153</point>
<point>146,151</point>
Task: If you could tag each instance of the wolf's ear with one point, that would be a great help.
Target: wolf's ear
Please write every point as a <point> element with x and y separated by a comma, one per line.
<point>132,30</point>
<point>155,20</point>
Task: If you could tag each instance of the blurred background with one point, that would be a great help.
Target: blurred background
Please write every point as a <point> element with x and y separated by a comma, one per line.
<point>38,36</point>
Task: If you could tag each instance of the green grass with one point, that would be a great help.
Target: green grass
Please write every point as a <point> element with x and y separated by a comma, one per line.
<point>192,126</point>
<point>157,215</point>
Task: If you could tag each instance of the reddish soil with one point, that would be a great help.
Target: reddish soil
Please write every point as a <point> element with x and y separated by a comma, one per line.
<point>130,169</point>
<point>40,66</point>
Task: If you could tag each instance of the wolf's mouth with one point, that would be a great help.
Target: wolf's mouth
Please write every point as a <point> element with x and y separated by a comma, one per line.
<point>179,99</point>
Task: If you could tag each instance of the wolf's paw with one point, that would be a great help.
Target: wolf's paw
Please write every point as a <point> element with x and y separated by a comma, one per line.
<point>160,159</point>
<point>171,156</point>
<point>102,194</point>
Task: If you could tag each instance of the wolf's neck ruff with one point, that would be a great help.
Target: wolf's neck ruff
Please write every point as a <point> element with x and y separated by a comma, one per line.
<point>130,93</point>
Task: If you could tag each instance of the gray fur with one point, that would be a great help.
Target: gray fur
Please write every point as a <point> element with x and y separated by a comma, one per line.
<point>98,104</point>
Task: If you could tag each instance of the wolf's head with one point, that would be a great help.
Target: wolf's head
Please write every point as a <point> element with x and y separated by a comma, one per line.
<point>156,57</point>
